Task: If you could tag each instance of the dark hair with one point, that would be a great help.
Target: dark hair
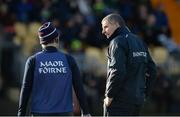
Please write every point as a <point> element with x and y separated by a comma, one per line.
<point>115,18</point>
<point>51,41</point>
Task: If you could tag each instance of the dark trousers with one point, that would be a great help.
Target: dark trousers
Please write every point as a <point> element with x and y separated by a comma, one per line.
<point>122,109</point>
<point>52,114</point>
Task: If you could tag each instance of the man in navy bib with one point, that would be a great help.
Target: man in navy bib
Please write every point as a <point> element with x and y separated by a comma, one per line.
<point>49,77</point>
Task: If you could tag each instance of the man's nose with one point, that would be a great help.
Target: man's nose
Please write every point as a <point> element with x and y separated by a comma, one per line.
<point>102,31</point>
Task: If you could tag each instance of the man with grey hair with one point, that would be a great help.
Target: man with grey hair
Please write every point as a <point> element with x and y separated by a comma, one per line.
<point>131,71</point>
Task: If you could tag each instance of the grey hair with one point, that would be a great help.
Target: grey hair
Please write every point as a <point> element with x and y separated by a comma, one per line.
<point>114,18</point>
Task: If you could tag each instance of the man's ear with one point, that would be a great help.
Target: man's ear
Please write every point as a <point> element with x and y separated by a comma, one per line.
<point>57,40</point>
<point>117,25</point>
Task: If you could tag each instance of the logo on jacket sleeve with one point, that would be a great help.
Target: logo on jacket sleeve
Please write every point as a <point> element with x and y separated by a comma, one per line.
<point>52,67</point>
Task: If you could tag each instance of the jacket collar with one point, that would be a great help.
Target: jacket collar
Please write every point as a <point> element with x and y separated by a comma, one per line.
<point>50,49</point>
<point>123,30</point>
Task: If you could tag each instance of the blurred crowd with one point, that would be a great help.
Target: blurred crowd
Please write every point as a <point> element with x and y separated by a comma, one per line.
<point>79,22</point>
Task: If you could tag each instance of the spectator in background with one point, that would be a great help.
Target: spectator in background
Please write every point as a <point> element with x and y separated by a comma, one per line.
<point>48,78</point>
<point>164,32</point>
<point>150,31</point>
<point>142,13</point>
<point>24,7</point>
<point>161,17</point>
<point>166,40</point>
<point>130,69</point>
<point>8,53</point>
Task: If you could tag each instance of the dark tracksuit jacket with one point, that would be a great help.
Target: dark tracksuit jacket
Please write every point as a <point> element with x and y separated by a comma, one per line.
<point>131,71</point>
<point>48,79</point>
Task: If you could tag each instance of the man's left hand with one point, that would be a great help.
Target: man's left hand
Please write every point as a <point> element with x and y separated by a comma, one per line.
<point>108,101</point>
